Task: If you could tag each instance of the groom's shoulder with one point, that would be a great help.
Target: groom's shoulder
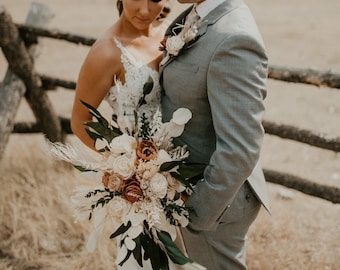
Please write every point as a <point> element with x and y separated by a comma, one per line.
<point>239,20</point>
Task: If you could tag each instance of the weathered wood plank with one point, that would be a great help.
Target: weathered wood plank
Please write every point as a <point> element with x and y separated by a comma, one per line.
<point>306,76</point>
<point>328,193</point>
<point>20,62</point>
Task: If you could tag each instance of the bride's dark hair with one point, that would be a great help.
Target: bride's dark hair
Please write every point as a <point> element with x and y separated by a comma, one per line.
<point>166,10</point>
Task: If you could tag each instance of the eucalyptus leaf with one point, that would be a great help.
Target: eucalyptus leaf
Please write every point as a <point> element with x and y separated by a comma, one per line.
<point>187,172</point>
<point>148,86</point>
<point>167,166</point>
<point>101,128</point>
<point>126,258</point>
<point>93,135</point>
<point>174,253</point>
<point>137,252</point>
<point>122,229</point>
<point>152,251</point>
<point>98,127</point>
<point>82,169</point>
<point>95,112</point>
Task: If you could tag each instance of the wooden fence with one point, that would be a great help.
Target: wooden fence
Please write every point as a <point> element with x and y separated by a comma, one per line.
<point>17,42</point>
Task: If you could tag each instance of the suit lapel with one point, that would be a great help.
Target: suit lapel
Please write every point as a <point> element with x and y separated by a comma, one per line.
<point>209,20</point>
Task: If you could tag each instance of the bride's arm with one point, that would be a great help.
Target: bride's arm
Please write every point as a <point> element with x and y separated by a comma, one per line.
<point>95,79</point>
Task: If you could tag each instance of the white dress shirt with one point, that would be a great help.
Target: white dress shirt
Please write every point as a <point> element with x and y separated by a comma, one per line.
<point>204,8</point>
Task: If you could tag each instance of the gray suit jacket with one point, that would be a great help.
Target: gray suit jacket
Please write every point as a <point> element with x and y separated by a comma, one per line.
<point>221,78</point>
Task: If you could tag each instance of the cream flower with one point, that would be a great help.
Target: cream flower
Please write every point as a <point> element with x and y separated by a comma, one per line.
<point>174,44</point>
<point>112,181</point>
<point>123,144</point>
<point>123,165</point>
<point>158,185</point>
<point>119,207</point>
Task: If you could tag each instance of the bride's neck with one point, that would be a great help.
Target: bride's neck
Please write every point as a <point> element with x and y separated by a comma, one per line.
<point>127,29</point>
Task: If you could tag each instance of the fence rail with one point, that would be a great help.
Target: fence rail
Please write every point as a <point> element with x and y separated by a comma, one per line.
<point>18,33</point>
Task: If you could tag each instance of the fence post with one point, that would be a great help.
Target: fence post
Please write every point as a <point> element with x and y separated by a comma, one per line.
<point>21,66</point>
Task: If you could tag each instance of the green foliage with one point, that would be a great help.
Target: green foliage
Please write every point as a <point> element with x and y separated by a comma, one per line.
<point>82,169</point>
<point>101,128</point>
<point>122,229</point>
<point>174,253</point>
<point>187,173</point>
<point>170,208</point>
<point>147,88</point>
<point>145,127</point>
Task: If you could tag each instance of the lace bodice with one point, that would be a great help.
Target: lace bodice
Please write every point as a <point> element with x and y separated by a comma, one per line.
<point>124,97</point>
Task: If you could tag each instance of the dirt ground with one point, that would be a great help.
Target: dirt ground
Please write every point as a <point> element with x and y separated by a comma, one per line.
<point>303,231</point>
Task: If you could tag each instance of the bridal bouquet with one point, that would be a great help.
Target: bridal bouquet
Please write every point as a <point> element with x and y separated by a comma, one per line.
<point>142,177</point>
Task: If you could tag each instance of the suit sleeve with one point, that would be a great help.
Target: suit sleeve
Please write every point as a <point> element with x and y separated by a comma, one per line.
<point>236,82</point>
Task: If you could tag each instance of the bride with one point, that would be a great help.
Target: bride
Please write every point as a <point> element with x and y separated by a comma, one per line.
<point>126,54</point>
<point>116,68</point>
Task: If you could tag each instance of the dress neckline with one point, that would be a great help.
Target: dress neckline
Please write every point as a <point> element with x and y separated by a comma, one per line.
<point>131,58</point>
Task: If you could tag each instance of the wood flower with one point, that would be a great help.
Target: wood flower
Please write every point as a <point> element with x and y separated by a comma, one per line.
<point>147,150</point>
<point>132,191</point>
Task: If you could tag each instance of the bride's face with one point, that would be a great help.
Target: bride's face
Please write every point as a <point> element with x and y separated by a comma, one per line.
<point>190,1</point>
<point>141,13</point>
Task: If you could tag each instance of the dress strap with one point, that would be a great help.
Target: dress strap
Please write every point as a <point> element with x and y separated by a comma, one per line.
<point>127,59</point>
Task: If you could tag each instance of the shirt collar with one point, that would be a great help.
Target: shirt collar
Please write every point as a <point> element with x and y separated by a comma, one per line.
<point>204,8</point>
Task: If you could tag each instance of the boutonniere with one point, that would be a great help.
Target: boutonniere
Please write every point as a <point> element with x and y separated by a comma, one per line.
<point>174,44</point>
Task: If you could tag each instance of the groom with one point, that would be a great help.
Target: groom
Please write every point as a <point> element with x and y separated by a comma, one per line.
<point>220,75</point>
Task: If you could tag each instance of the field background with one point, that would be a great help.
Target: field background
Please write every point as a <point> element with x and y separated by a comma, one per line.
<point>36,225</point>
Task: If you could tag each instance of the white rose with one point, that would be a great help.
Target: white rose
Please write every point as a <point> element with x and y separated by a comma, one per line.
<point>119,207</point>
<point>123,144</point>
<point>124,166</point>
<point>159,185</point>
<point>174,45</point>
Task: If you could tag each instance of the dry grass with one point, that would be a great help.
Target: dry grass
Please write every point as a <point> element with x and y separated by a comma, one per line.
<point>37,228</point>
<point>38,231</point>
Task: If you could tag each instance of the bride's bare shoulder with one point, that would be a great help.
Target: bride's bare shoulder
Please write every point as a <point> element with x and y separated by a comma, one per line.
<point>105,49</point>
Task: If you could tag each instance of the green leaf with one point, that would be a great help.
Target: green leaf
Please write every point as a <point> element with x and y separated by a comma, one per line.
<point>148,86</point>
<point>101,128</point>
<point>167,166</point>
<point>126,258</point>
<point>152,251</point>
<point>122,229</point>
<point>137,252</point>
<point>190,172</point>
<point>94,136</point>
<point>98,127</point>
<point>82,169</point>
<point>174,253</point>
<point>93,111</point>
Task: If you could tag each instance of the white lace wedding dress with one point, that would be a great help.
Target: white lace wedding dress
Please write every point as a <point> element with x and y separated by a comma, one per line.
<point>123,98</point>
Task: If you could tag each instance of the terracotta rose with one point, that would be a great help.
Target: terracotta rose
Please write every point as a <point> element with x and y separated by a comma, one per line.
<point>131,190</point>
